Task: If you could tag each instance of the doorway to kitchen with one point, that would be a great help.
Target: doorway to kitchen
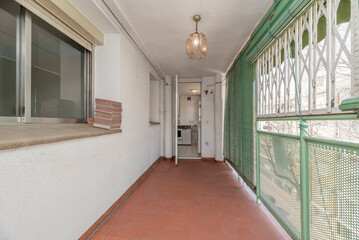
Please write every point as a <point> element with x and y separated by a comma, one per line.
<point>189,120</point>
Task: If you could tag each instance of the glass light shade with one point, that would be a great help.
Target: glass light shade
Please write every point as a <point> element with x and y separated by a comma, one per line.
<point>196,46</point>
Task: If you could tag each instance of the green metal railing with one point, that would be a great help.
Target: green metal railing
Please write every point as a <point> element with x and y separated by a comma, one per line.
<point>309,184</point>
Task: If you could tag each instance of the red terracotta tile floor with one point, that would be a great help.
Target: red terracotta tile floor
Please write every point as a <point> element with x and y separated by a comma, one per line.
<point>195,200</point>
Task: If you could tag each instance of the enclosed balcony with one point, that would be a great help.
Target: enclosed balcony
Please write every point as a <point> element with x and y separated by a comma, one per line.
<point>231,119</point>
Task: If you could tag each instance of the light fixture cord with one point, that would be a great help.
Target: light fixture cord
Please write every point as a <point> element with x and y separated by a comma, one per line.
<point>196,27</point>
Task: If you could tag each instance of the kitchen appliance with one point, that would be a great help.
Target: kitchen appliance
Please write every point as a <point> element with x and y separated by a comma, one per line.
<point>179,137</point>
<point>184,135</point>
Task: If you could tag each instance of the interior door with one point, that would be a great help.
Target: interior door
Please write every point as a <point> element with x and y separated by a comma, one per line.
<point>176,119</point>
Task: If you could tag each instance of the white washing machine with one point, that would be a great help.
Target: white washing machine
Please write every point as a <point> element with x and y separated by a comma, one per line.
<point>187,136</point>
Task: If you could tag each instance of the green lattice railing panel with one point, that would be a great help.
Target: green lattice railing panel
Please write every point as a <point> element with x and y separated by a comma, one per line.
<point>280,179</point>
<point>334,191</point>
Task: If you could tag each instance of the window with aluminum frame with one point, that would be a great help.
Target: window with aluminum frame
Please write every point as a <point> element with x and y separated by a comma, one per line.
<point>24,108</point>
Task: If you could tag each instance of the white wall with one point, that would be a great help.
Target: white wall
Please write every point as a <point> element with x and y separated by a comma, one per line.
<point>154,101</point>
<point>169,150</point>
<point>189,110</point>
<point>107,73</point>
<point>162,117</point>
<point>57,191</point>
<point>218,116</point>
<point>207,131</point>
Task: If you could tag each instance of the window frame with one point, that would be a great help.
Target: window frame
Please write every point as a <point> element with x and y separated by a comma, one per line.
<point>23,77</point>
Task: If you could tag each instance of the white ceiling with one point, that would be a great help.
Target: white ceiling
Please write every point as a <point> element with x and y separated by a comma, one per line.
<point>161,27</point>
<point>184,89</point>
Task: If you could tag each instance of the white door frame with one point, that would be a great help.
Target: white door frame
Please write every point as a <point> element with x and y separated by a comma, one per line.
<point>199,141</point>
<point>176,119</point>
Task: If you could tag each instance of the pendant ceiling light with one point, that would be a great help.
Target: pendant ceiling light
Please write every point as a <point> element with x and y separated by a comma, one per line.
<point>196,43</point>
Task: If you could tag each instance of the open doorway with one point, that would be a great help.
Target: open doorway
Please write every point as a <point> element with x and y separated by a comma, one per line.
<point>189,120</point>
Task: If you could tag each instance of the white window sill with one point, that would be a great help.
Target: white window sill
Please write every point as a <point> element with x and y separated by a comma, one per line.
<point>22,135</point>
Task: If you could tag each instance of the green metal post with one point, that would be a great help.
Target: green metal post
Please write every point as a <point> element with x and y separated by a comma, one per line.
<point>304,181</point>
<point>258,167</point>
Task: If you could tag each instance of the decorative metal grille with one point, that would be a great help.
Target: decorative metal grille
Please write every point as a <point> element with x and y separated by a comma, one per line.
<point>316,50</point>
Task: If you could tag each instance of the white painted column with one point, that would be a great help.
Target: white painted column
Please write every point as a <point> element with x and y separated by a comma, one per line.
<point>162,117</point>
<point>224,96</point>
<point>173,116</point>
<point>218,117</point>
<point>168,119</point>
<point>207,120</point>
